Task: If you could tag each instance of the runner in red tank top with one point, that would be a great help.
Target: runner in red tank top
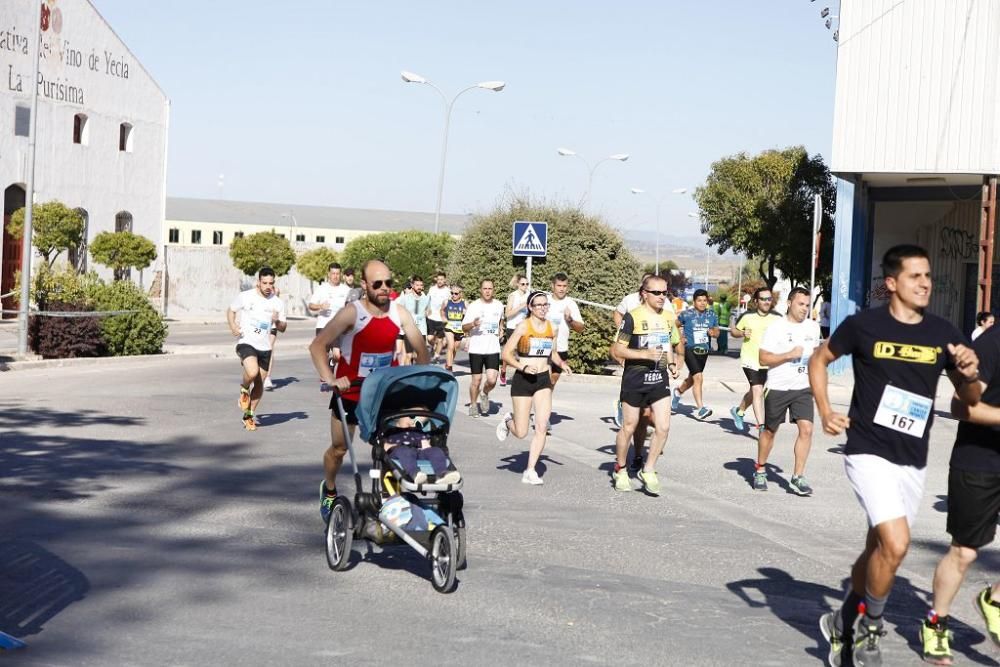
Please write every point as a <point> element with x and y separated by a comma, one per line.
<point>367,330</point>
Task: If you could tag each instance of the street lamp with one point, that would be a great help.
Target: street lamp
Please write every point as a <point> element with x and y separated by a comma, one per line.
<point>708,249</point>
<point>677,191</point>
<point>566,152</point>
<point>292,222</point>
<point>410,77</point>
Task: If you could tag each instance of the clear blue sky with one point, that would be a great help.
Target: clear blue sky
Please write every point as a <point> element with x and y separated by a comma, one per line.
<point>302,102</point>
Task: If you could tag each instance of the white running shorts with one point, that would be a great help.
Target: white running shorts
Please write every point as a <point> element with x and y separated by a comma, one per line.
<point>885,490</point>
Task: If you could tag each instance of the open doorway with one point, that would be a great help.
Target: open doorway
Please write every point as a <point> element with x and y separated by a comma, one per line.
<point>13,199</point>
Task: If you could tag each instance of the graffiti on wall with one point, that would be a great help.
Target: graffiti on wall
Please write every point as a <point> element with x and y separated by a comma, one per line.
<point>957,243</point>
<point>878,292</point>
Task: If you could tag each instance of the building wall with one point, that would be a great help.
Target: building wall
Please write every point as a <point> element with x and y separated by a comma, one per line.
<point>228,230</point>
<point>918,87</point>
<point>85,69</point>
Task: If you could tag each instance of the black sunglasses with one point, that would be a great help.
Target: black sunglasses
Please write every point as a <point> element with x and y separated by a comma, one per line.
<point>456,293</point>
<point>377,284</point>
<point>656,292</point>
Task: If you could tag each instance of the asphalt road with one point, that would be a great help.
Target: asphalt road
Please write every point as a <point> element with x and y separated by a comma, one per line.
<point>142,525</point>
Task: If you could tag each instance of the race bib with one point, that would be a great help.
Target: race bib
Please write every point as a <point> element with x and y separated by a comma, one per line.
<point>904,411</point>
<point>657,339</point>
<point>801,364</point>
<point>490,327</point>
<point>539,347</point>
<point>700,337</point>
<point>371,361</point>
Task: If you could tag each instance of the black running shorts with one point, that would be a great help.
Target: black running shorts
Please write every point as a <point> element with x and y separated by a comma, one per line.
<point>796,403</point>
<point>488,361</point>
<point>435,328</point>
<point>755,376</point>
<point>645,397</point>
<point>263,357</point>
<point>973,506</point>
<point>695,359</point>
<point>350,410</point>
<point>526,384</point>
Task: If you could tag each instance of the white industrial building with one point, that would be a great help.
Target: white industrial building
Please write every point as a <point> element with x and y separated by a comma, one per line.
<point>101,136</point>
<point>916,149</point>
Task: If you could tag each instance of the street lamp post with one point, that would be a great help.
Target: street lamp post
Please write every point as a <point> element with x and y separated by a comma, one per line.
<point>566,152</point>
<point>659,201</point>
<point>708,249</point>
<point>292,223</point>
<point>410,77</point>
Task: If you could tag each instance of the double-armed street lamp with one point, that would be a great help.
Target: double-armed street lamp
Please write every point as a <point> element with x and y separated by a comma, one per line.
<point>410,77</point>
<point>659,202</point>
<point>566,152</point>
<point>708,249</point>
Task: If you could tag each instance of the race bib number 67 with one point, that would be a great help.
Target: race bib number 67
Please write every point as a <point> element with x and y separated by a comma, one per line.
<point>904,411</point>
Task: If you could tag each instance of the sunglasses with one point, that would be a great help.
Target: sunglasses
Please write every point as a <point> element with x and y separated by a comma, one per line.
<point>765,298</point>
<point>656,292</point>
<point>377,284</point>
<point>456,294</point>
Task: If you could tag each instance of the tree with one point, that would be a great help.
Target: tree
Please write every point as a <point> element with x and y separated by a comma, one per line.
<point>314,264</point>
<point>407,253</point>
<point>122,251</point>
<point>676,280</point>
<point>762,207</point>
<point>251,253</point>
<point>599,264</point>
<point>54,228</point>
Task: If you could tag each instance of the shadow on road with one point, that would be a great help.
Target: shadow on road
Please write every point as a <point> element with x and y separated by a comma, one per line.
<point>35,585</point>
<point>275,418</point>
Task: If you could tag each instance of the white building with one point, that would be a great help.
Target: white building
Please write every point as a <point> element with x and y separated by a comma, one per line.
<point>916,149</point>
<point>101,136</point>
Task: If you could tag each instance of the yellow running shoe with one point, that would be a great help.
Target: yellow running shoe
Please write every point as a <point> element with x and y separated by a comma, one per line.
<point>244,401</point>
<point>936,641</point>
<point>622,482</point>
<point>990,613</point>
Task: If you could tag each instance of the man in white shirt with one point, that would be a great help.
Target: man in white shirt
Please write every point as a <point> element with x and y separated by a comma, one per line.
<point>439,294</point>
<point>251,316</point>
<point>785,349</point>
<point>327,301</point>
<point>564,315</point>
<point>483,325</point>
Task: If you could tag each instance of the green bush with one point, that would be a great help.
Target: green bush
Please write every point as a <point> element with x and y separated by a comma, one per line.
<point>122,251</point>
<point>315,264</point>
<point>65,337</point>
<point>252,253</point>
<point>63,285</point>
<point>599,265</point>
<point>54,228</point>
<point>141,332</point>
<point>407,253</point>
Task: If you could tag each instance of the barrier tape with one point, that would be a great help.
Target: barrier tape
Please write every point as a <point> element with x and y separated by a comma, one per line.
<point>71,313</point>
<point>592,303</point>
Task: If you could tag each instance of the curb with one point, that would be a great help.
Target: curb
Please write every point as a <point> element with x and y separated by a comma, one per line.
<point>192,352</point>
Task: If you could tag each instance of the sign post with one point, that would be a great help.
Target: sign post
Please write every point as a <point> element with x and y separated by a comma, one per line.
<point>817,221</point>
<point>530,240</point>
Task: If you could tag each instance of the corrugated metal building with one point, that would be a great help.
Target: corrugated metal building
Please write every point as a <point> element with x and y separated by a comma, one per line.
<point>916,148</point>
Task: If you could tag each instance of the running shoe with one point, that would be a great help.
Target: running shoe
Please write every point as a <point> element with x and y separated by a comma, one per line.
<point>675,401</point>
<point>244,401</point>
<point>249,423</point>
<point>650,480</point>
<point>737,418</point>
<point>703,413</point>
<point>636,464</point>
<point>991,614</point>
<point>326,502</point>
<point>936,641</point>
<point>484,403</point>
<point>503,428</point>
<point>829,630</point>
<point>760,480</point>
<point>867,637</point>
<point>473,410</point>
<point>800,486</point>
<point>531,477</point>
<point>267,383</point>
<point>622,482</point>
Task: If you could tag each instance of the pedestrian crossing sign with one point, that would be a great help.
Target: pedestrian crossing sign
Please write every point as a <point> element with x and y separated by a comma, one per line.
<point>530,238</point>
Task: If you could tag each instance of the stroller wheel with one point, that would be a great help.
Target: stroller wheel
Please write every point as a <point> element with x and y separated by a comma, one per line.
<point>461,543</point>
<point>443,560</point>
<point>339,535</point>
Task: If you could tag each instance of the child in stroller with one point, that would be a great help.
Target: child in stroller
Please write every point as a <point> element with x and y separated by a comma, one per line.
<point>410,453</point>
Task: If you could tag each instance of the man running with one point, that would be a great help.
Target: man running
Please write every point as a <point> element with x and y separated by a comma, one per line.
<point>751,327</point>
<point>564,315</point>
<point>722,313</point>
<point>973,506</point>
<point>367,330</point>
<point>898,354</point>
<point>514,313</point>
<point>482,324</point>
<point>327,301</point>
<point>437,296</point>
<point>786,348</point>
<point>354,293</point>
<point>645,341</point>
<point>416,301</point>
<point>258,311</point>
<point>699,325</point>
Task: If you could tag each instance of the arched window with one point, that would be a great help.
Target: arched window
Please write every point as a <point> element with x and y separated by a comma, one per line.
<point>81,129</point>
<point>123,221</point>
<point>78,255</point>
<point>125,137</point>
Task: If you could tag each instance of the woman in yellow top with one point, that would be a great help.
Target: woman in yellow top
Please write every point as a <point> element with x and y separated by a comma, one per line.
<point>530,349</point>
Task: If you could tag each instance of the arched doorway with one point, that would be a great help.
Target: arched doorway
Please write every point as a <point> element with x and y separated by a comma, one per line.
<point>13,199</point>
<point>78,255</point>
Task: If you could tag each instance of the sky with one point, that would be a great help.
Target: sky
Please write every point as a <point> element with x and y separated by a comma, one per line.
<point>301,102</point>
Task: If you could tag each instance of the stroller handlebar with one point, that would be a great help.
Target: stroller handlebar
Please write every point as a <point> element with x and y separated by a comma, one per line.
<point>327,387</point>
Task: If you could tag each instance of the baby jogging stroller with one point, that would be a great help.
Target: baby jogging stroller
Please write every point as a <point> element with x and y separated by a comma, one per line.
<point>426,516</point>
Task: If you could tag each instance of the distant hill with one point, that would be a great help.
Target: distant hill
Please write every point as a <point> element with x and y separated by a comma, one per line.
<point>689,252</point>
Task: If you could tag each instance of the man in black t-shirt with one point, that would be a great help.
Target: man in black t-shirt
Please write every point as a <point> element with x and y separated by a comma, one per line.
<point>898,354</point>
<point>973,505</point>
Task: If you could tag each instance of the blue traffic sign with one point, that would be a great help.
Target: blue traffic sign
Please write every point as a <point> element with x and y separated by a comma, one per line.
<point>530,238</point>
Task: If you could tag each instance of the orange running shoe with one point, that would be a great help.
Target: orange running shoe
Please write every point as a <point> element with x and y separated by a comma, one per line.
<point>249,423</point>
<point>244,401</point>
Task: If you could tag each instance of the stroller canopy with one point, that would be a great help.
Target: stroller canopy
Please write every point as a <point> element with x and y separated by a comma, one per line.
<point>403,388</point>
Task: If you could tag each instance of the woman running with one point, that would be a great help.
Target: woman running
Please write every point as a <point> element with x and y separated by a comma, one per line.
<point>514,314</point>
<point>453,312</point>
<point>532,340</point>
